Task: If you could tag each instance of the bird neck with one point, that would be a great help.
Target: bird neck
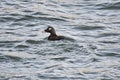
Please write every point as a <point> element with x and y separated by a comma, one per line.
<point>53,33</point>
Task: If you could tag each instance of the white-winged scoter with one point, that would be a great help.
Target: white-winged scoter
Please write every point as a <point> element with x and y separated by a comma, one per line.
<point>53,36</point>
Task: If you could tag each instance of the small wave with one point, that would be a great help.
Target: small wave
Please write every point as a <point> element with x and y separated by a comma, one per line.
<point>39,13</point>
<point>13,33</point>
<point>18,55</point>
<point>30,17</point>
<point>108,42</point>
<point>110,6</point>
<point>2,58</point>
<point>31,25</point>
<point>26,17</point>
<point>34,41</point>
<point>27,11</point>
<point>16,15</point>
<point>72,5</point>
<point>59,58</point>
<point>10,17</point>
<point>71,47</point>
<point>17,24</point>
<point>10,41</point>
<point>25,0</point>
<point>7,57</point>
<point>6,19</point>
<point>2,20</point>
<point>22,46</point>
<point>84,27</point>
<point>51,77</point>
<point>51,19</point>
<point>13,58</point>
<point>95,60</point>
<point>11,4</point>
<point>110,54</point>
<point>108,34</point>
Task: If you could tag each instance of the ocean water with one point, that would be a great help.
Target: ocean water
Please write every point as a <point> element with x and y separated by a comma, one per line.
<point>92,51</point>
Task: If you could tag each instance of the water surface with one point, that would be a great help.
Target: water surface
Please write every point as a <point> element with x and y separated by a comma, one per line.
<point>92,51</point>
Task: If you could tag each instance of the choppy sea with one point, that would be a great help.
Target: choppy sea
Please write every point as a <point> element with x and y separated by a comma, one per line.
<point>92,51</point>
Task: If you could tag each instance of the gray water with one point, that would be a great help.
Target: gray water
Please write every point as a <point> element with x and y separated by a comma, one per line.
<point>92,51</point>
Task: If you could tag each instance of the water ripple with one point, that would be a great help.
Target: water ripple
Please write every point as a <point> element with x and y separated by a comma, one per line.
<point>110,54</point>
<point>34,41</point>
<point>109,34</point>
<point>86,27</point>
<point>110,6</point>
<point>89,52</point>
<point>29,17</point>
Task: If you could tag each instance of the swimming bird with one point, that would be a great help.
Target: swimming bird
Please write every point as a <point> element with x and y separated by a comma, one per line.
<point>53,36</point>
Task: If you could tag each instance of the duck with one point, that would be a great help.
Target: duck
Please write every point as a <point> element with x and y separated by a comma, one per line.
<point>53,36</point>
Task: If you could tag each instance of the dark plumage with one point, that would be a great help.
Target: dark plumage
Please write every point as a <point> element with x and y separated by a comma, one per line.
<point>53,36</point>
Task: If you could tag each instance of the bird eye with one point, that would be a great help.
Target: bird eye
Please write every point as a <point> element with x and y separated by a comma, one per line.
<point>50,29</point>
